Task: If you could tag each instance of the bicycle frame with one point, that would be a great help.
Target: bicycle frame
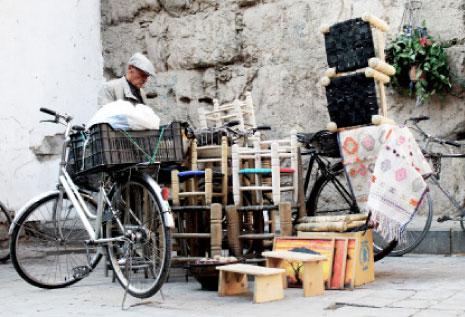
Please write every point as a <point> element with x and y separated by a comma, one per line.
<point>324,168</point>
<point>430,139</point>
<point>66,185</point>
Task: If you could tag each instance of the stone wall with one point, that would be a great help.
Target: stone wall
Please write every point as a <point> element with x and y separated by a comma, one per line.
<point>204,49</point>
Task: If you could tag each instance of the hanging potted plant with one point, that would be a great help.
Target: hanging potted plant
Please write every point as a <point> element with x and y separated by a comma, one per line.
<point>421,65</point>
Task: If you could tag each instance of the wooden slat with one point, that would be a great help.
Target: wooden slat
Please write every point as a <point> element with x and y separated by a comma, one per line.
<point>191,194</point>
<point>256,188</point>
<point>190,235</point>
<point>257,236</point>
<point>293,256</point>
<point>211,160</point>
<point>185,259</point>
<point>250,269</point>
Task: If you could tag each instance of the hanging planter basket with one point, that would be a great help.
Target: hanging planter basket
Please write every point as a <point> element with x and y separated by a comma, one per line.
<point>421,65</point>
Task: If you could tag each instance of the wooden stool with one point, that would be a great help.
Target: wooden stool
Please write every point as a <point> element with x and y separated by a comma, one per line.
<point>268,282</point>
<point>312,278</point>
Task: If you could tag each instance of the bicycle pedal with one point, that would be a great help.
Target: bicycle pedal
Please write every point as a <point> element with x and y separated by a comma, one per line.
<point>79,272</point>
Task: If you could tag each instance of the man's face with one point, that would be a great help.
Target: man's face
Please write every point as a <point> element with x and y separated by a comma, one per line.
<point>137,77</point>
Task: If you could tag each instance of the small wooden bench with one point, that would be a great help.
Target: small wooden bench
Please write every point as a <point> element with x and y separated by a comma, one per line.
<point>312,279</point>
<point>268,283</point>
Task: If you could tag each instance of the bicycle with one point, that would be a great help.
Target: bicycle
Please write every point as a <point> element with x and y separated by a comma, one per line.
<point>331,193</point>
<point>58,237</point>
<point>435,149</point>
<point>5,222</point>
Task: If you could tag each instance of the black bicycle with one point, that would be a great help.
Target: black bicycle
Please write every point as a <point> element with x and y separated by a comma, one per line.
<point>5,222</point>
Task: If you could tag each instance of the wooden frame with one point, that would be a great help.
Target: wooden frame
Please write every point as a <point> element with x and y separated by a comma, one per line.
<point>275,151</point>
<point>242,110</point>
<point>324,246</point>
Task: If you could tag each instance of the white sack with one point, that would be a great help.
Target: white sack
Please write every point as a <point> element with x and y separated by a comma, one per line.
<point>122,115</point>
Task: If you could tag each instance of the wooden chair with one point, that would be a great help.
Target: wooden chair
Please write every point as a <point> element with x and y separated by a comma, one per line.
<point>358,69</point>
<point>198,195</point>
<point>260,176</point>
<point>241,110</point>
<point>283,156</point>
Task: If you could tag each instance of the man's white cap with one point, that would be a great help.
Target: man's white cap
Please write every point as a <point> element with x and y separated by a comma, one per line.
<point>140,61</point>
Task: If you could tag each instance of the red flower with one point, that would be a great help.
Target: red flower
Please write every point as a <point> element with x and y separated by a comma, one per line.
<point>423,41</point>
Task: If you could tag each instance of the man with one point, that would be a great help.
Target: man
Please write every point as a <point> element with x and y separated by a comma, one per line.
<point>129,87</point>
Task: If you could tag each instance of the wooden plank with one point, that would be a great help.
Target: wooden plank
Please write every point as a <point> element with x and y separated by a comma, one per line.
<point>250,269</point>
<point>190,235</point>
<point>231,283</point>
<point>339,264</point>
<point>245,188</point>
<point>313,282</point>
<point>268,288</point>
<point>233,222</point>
<point>293,256</point>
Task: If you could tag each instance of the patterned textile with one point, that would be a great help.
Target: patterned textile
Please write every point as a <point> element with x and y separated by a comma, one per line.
<point>385,168</point>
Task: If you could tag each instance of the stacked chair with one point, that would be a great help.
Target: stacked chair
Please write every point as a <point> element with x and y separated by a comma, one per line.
<point>263,173</point>
<point>200,192</point>
<point>240,110</point>
<point>354,89</point>
<point>358,72</point>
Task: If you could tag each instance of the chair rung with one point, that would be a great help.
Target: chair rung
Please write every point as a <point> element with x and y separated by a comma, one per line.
<point>209,160</point>
<point>257,236</point>
<point>245,188</point>
<point>287,189</point>
<point>191,194</point>
<point>190,235</point>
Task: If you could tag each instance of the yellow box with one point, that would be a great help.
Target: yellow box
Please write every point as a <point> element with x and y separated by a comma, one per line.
<point>363,252</point>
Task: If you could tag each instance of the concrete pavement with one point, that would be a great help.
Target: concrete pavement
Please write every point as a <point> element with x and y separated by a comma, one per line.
<point>414,285</point>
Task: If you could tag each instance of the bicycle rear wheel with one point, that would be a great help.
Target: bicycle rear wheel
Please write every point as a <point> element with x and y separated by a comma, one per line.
<point>48,247</point>
<point>331,195</point>
<point>414,232</point>
<point>5,223</point>
<point>141,263</point>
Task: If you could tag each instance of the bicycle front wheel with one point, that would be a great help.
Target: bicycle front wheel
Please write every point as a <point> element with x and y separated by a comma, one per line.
<point>48,247</point>
<point>414,232</point>
<point>5,223</point>
<point>140,262</point>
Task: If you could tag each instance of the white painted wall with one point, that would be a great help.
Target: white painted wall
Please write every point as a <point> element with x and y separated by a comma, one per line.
<point>51,56</point>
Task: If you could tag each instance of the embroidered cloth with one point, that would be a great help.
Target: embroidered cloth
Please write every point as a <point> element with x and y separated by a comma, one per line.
<point>386,171</point>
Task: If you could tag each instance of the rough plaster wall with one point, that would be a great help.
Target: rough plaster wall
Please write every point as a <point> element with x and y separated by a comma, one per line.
<point>51,56</point>
<point>205,49</point>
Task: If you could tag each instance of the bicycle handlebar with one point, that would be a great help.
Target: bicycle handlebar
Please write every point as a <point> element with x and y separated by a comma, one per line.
<point>417,119</point>
<point>57,115</point>
<point>453,143</point>
<point>48,111</point>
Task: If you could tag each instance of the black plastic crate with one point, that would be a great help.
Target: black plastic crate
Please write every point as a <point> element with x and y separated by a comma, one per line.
<point>210,136</point>
<point>108,148</point>
<point>352,100</point>
<point>349,45</point>
<point>75,155</point>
